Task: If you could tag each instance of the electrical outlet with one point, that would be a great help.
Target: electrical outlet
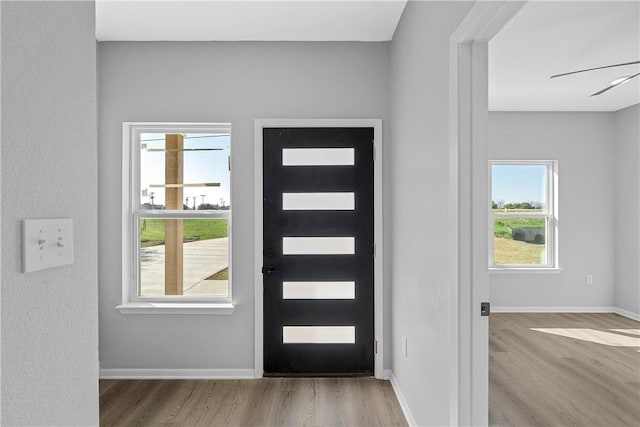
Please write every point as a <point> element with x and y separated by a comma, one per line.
<point>589,279</point>
<point>404,346</point>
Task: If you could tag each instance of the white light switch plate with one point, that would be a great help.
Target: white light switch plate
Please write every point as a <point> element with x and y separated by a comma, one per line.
<point>46,243</point>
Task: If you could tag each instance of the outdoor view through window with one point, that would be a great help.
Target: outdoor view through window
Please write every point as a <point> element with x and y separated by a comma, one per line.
<point>522,214</point>
<point>183,214</point>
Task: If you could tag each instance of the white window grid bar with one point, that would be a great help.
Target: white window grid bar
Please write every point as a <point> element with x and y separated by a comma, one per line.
<point>206,214</point>
<point>522,214</point>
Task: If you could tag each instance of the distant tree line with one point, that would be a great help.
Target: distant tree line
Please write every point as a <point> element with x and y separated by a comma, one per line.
<point>500,204</point>
<point>216,207</point>
<point>203,206</point>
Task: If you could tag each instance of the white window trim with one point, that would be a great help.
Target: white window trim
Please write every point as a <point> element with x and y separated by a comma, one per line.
<point>551,238</point>
<point>132,303</point>
<point>527,270</point>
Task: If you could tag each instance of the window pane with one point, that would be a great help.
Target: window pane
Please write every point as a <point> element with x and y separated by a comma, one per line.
<point>318,201</point>
<point>184,257</point>
<point>318,290</point>
<point>318,245</point>
<point>519,188</point>
<point>319,334</point>
<point>180,172</point>
<point>520,241</point>
<point>317,157</point>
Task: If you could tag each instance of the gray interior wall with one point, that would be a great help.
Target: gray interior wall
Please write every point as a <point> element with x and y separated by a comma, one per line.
<point>0,210</point>
<point>49,317</point>
<point>419,194</point>
<point>627,208</point>
<point>583,145</point>
<point>214,82</point>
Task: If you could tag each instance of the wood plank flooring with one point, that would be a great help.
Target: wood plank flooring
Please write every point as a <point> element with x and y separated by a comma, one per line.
<point>261,402</point>
<point>564,370</point>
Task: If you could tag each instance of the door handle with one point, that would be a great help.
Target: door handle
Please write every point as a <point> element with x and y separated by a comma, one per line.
<point>268,269</point>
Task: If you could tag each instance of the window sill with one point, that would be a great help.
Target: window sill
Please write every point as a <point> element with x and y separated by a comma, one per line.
<point>524,270</point>
<point>176,308</point>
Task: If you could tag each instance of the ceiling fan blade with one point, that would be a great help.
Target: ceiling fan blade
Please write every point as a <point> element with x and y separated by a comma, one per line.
<point>617,84</point>
<point>596,68</point>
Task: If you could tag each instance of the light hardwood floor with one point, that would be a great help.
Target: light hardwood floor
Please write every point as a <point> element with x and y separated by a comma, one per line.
<point>262,402</point>
<point>564,370</point>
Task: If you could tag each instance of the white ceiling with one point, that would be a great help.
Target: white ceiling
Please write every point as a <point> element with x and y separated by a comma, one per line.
<point>544,38</point>
<point>547,38</point>
<point>243,20</point>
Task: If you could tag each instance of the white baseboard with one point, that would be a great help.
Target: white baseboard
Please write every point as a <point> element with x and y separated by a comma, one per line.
<point>543,309</point>
<point>599,309</point>
<point>189,374</point>
<point>627,313</point>
<point>176,374</point>
<point>403,402</point>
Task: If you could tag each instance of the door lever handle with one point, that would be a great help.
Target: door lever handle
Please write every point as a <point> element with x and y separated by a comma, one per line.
<point>268,269</point>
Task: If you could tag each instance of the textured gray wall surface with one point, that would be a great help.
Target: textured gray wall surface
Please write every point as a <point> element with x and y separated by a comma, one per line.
<point>418,246</point>
<point>49,160</point>
<point>214,82</point>
<point>583,144</point>
<point>627,208</point>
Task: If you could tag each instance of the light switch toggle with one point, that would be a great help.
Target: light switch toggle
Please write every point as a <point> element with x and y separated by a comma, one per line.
<point>41,242</point>
<point>60,243</point>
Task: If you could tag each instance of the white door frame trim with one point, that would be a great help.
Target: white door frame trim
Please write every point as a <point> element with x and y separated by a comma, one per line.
<point>468,96</point>
<point>376,124</point>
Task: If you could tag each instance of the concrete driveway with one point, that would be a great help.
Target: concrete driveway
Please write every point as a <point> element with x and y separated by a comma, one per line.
<point>201,259</point>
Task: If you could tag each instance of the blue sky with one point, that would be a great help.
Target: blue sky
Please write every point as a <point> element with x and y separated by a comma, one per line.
<point>199,167</point>
<point>518,183</point>
<point>510,183</point>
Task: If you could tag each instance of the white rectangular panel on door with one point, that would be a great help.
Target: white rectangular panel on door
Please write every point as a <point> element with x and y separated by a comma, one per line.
<point>318,157</point>
<point>318,290</point>
<point>318,245</point>
<point>318,201</point>
<point>319,334</point>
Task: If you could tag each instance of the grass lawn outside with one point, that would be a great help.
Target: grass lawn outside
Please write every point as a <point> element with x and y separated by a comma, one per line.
<point>152,230</point>
<point>220,275</point>
<point>502,226</point>
<point>507,251</point>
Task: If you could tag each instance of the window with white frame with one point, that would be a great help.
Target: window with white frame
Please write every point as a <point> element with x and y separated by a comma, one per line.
<point>523,215</point>
<point>177,212</point>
